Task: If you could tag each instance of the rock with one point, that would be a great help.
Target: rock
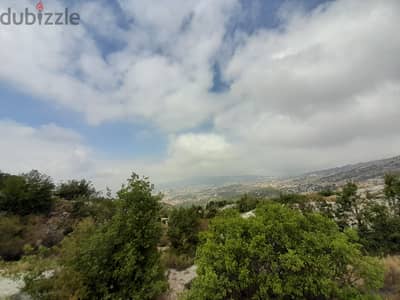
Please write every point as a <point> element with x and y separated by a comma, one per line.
<point>179,280</point>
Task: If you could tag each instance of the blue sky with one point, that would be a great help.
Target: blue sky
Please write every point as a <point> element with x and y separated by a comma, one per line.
<point>198,88</point>
<point>125,139</point>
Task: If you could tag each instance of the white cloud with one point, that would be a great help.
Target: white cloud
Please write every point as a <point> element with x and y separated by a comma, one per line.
<point>320,90</point>
<point>51,149</point>
<point>161,73</point>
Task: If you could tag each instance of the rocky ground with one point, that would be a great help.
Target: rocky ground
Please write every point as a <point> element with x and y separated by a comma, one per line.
<point>178,280</point>
<point>11,289</point>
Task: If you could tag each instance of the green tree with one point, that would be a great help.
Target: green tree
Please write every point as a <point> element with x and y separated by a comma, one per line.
<point>27,193</point>
<point>392,192</point>
<point>183,229</point>
<point>74,189</point>
<point>350,206</point>
<point>381,233</point>
<point>282,254</point>
<point>117,259</point>
<point>295,201</point>
<point>121,260</point>
<point>247,203</point>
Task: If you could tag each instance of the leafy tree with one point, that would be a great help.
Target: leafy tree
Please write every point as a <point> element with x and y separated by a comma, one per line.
<point>119,259</point>
<point>213,207</point>
<point>350,206</point>
<point>75,189</point>
<point>27,193</point>
<point>392,192</point>
<point>282,254</point>
<point>381,233</point>
<point>39,188</point>
<point>183,228</point>
<point>295,201</point>
<point>247,203</point>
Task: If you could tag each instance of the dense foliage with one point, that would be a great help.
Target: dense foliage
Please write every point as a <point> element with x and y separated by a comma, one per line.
<point>392,193</point>
<point>25,194</point>
<point>282,254</point>
<point>11,238</point>
<point>313,246</point>
<point>183,228</point>
<point>74,189</point>
<point>117,259</point>
<point>247,203</point>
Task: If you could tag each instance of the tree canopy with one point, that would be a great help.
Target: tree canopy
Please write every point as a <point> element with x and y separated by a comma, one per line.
<point>26,193</point>
<point>282,254</point>
<point>114,260</point>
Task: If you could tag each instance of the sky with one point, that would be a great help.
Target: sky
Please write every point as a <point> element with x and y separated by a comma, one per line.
<point>179,89</point>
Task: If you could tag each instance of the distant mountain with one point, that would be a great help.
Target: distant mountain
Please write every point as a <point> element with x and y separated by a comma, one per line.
<point>213,181</point>
<point>204,189</point>
<point>336,177</point>
<point>358,172</point>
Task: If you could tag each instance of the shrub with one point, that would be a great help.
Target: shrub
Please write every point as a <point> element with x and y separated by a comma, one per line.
<point>172,260</point>
<point>117,259</point>
<point>183,228</point>
<point>247,203</point>
<point>74,189</point>
<point>380,234</point>
<point>26,194</point>
<point>99,209</point>
<point>11,238</point>
<point>392,192</point>
<point>282,254</point>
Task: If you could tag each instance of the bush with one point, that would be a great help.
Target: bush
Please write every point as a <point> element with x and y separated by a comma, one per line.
<point>117,259</point>
<point>282,254</point>
<point>11,238</point>
<point>247,203</point>
<point>326,192</point>
<point>392,192</point>
<point>172,260</point>
<point>75,189</point>
<point>183,228</point>
<point>26,194</point>
<point>99,209</point>
<point>66,283</point>
<point>381,231</point>
<point>213,207</point>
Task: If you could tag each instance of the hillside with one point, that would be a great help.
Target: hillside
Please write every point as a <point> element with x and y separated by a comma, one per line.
<point>369,174</point>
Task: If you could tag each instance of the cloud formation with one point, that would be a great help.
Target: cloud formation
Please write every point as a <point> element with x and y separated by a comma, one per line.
<point>320,89</point>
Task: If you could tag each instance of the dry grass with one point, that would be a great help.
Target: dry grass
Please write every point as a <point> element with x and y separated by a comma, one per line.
<point>171,260</point>
<point>391,289</point>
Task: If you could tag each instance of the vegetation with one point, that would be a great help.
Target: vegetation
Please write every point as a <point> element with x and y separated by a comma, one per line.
<point>392,193</point>
<point>114,260</point>
<point>71,243</point>
<point>75,189</point>
<point>183,228</point>
<point>25,194</point>
<point>282,254</point>
<point>247,203</point>
<point>11,238</point>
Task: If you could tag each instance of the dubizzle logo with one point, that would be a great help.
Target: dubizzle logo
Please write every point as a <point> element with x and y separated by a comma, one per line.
<point>41,17</point>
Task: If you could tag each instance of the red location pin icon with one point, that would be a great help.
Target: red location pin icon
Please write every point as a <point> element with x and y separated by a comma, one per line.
<point>40,6</point>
